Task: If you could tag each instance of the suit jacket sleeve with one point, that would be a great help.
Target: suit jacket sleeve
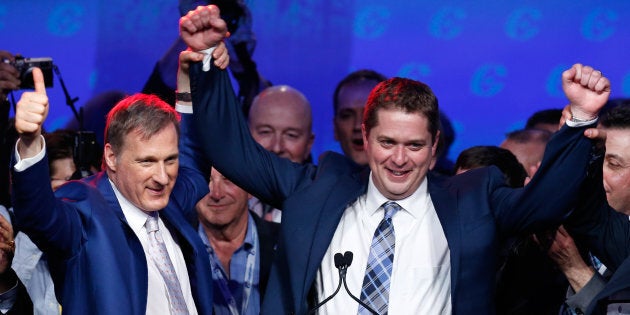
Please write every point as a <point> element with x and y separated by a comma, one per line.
<point>226,140</point>
<point>582,299</point>
<point>553,190</point>
<point>49,222</point>
<point>194,169</point>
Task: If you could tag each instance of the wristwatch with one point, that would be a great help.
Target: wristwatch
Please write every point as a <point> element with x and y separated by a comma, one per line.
<point>183,96</point>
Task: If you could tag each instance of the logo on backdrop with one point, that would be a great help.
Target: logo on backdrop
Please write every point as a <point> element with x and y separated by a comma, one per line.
<point>522,24</point>
<point>66,19</point>
<point>487,80</point>
<point>599,25</point>
<point>371,21</point>
<point>447,23</point>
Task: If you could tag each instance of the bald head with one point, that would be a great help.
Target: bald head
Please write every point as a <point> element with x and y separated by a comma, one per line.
<point>280,120</point>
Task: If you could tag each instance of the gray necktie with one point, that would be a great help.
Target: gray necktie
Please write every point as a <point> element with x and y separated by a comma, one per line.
<point>160,257</point>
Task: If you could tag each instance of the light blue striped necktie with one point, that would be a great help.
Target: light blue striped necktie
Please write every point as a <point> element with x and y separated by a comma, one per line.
<point>375,291</point>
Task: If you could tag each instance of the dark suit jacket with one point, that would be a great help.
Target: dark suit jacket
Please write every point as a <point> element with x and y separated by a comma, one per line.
<point>473,208</point>
<point>96,261</point>
<point>606,233</point>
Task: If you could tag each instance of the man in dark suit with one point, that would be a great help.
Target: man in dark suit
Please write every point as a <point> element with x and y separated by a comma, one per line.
<point>446,230</point>
<point>117,242</point>
<point>601,224</point>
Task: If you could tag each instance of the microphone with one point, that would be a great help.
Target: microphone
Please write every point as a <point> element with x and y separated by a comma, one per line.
<point>347,257</point>
<point>340,264</point>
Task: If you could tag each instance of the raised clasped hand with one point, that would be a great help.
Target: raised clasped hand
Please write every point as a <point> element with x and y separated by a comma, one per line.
<point>587,89</point>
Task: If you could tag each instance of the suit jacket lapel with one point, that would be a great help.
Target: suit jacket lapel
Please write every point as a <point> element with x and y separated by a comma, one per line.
<point>102,183</point>
<point>444,198</point>
<point>174,223</point>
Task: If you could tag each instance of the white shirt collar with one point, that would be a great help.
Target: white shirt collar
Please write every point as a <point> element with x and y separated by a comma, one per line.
<point>375,199</point>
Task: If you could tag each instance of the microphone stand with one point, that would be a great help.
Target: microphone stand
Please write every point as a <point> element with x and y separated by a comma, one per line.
<point>84,140</point>
<point>348,256</point>
<point>341,266</point>
<point>69,100</point>
<point>342,262</point>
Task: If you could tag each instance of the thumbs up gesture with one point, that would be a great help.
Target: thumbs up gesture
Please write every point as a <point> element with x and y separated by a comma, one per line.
<point>30,114</point>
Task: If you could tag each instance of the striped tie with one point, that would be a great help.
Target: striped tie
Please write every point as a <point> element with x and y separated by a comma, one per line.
<point>375,291</point>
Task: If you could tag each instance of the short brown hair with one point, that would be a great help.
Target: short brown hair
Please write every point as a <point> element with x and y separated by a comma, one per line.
<point>145,113</point>
<point>405,94</point>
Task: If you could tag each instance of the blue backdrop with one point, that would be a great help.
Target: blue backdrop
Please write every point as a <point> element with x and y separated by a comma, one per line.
<point>491,63</point>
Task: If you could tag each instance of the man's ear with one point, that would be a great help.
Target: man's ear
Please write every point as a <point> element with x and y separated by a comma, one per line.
<point>109,157</point>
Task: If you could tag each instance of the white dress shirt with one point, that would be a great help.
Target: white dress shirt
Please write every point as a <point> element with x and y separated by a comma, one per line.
<point>421,272</point>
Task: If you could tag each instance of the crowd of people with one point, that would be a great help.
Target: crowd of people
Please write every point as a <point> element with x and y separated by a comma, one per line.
<point>201,204</point>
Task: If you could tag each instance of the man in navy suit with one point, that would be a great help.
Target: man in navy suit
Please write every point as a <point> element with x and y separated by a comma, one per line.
<point>446,229</point>
<point>97,232</point>
<point>601,223</point>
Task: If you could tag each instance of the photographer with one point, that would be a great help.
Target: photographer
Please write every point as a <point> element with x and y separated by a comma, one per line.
<point>9,76</point>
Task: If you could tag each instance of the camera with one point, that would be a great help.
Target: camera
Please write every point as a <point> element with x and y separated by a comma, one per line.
<point>25,67</point>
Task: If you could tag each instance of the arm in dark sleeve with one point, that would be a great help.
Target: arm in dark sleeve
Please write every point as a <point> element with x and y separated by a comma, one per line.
<point>553,190</point>
<point>225,138</point>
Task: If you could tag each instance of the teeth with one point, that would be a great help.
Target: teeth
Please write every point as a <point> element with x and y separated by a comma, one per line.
<point>398,173</point>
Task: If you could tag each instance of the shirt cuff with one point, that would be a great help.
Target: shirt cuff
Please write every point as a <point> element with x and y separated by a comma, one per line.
<point>585,296</point>
<point>184,109</point>
<point>23,164</point>
<point>207,58</point>
<point>572,123</point>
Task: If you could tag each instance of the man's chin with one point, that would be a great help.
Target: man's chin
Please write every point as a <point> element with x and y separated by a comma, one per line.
<point>155,206</point>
